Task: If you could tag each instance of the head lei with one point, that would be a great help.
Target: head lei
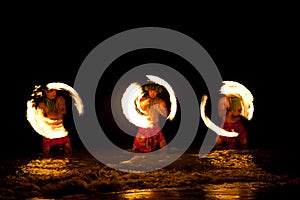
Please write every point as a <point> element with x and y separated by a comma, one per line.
<point>155,87</point>
<point>38,93</point>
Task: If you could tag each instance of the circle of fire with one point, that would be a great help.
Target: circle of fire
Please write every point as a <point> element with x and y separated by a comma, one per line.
<point>44,126</point>
<point>233,88</point>
<point>131,102</point>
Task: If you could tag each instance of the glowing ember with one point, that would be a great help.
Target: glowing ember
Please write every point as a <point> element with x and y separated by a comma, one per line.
<point>233,88</point>
<point>47,127</point>
<point>131,103</point>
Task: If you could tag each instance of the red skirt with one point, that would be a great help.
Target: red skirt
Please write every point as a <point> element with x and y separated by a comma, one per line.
<point>56,141</point>
<point>148,139</point>
<point>236,127</point>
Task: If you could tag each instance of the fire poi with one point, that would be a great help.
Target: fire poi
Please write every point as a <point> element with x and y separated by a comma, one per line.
<point>46,127</point>
<point>131,102</point>
<point>247,107</point>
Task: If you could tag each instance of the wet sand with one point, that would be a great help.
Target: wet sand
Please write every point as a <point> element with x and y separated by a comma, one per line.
<point>221,174</point>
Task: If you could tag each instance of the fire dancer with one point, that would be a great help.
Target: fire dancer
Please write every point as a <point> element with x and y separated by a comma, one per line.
<point>54,108</point>
<point>230,108</point>
<point>151,139</point>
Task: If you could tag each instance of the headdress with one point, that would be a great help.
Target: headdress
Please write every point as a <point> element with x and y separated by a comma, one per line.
<point>155,87</point>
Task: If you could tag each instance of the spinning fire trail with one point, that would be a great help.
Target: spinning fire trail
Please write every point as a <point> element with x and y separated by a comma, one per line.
<point>50,128</point>
<point>236,89</point>
<point>131,99</point>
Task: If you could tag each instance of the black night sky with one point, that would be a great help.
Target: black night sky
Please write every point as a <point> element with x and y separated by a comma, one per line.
<point>256,53</point>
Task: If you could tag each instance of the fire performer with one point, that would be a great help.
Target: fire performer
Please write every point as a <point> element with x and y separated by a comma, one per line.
<point>235,107</point>
<point>45,112</point>
<point>151,138</point>
<point>229,109</point>
<point>54,108</point>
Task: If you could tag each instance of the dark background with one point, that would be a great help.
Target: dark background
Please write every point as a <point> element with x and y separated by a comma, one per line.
<point>257,52</point>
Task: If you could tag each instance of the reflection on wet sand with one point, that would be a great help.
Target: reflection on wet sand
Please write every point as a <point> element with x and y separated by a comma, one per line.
<point>45,168</point>
<point>239,190</point>
<point>138,194</point>
<point>222,174</point>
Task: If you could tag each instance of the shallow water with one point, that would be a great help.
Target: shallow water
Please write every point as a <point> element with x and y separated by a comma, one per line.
<point>221,174</point>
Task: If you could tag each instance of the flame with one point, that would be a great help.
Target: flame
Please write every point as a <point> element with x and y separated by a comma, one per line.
<point>162,82</point>
<point>210,124</point>
<point>47,127</point>
<point>233,88</point>
<point>131,103</point>
<point>130,98</point>
<point>77,100</point>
